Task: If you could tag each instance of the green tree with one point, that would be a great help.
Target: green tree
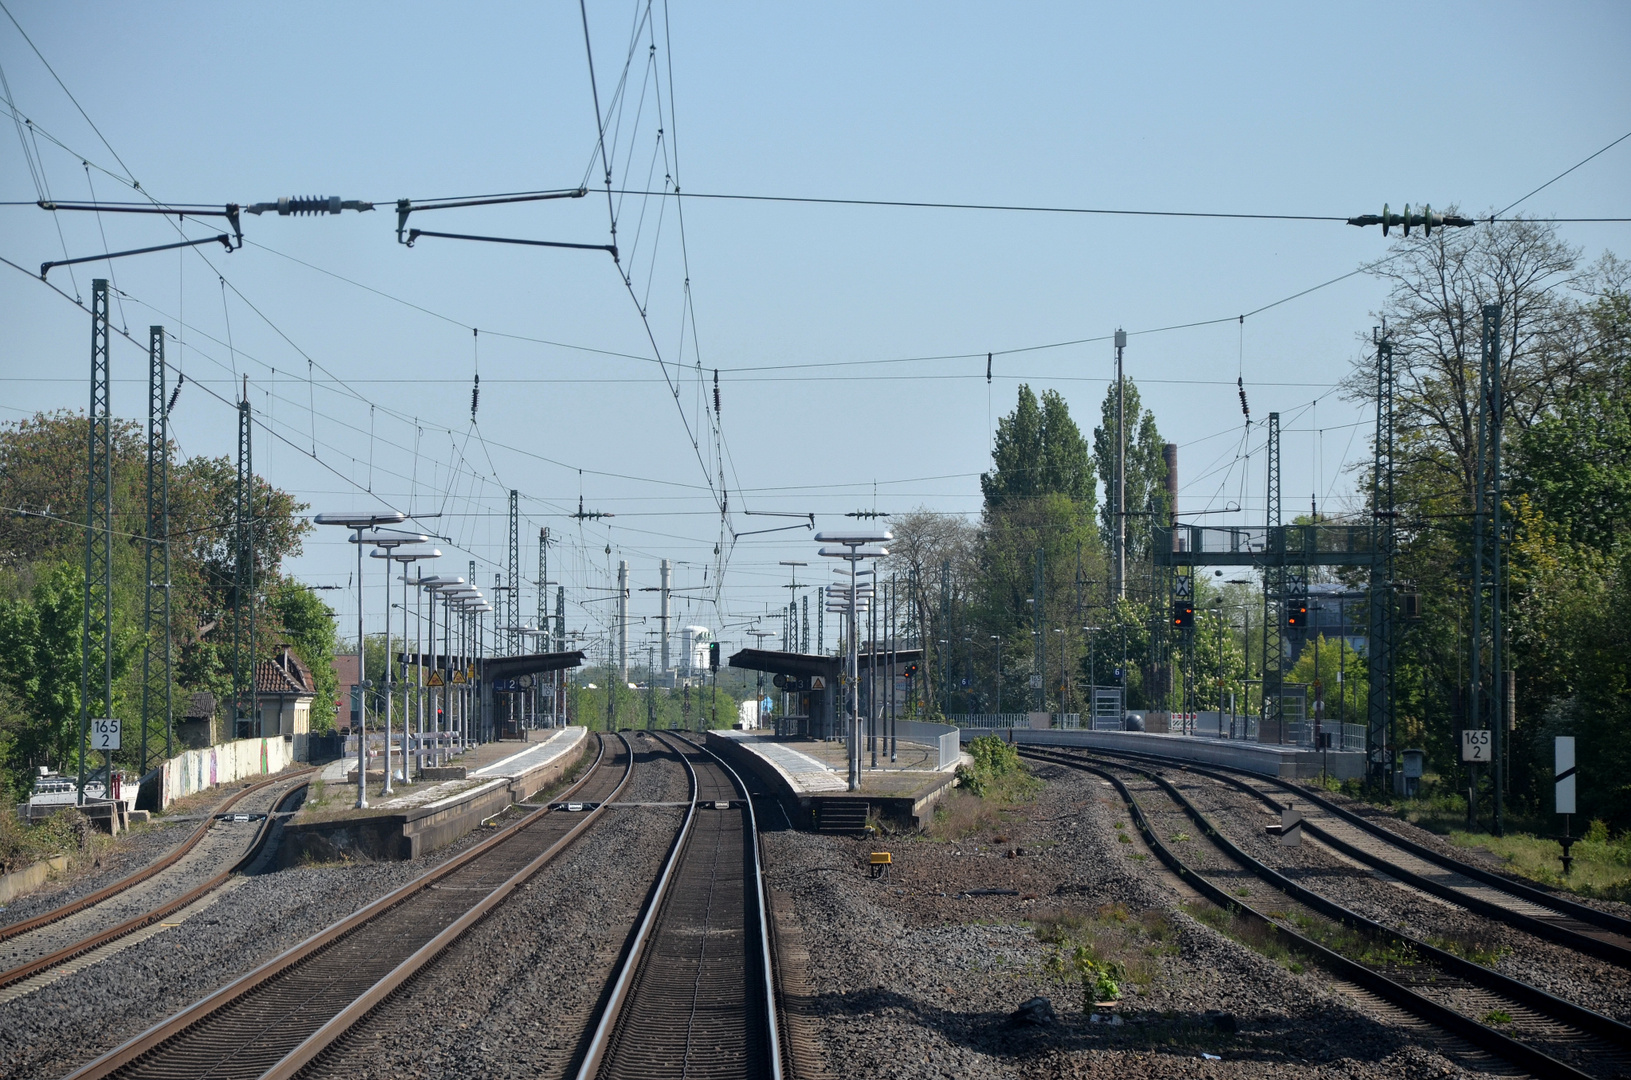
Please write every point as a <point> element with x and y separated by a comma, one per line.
<point>307,624</point>
<point>1146,473</point>
<point>1039,451</point>
<point>1342,675</point>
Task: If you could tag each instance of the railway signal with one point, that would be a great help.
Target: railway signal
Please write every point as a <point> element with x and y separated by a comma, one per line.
<point>1183,614</point>
<point>1297,612</point>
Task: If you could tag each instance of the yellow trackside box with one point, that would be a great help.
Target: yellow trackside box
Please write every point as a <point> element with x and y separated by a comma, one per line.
<point>880,863</point>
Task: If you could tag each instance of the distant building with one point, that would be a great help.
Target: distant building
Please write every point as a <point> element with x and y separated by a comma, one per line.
<point>197,727</point>
<point>284,691</point>
<point>345,695</point>
<point>694,642</point>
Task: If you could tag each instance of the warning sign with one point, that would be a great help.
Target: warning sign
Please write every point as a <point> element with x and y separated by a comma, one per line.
<point>458,678</point>
<point>818,682</point>
<point>435,679</point>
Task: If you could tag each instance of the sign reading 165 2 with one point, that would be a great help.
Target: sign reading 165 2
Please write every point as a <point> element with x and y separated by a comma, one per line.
<point>105,734</point>
<point>1475,745</point>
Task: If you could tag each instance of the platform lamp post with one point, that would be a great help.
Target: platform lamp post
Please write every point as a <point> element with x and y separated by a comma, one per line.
<point>854,548</point>
<point>357,522</point>
<point>460,601</point>
<point>387,540</point>
<point>478,688</point>
<point>405,554</point>
<point>435,585</point>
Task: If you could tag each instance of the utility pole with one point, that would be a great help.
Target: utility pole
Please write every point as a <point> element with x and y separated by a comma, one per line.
<point>96,644</point>
<point>512,610</point>
<point>560,640</point>
<point>623,619</point>
<point>157,662</point>
<point>545,642</point>
<point>1379,706</point>
<point>666,584</point>
<point>1274,579</point>
<point>1486,560</point>
<point>243,603</point>
<point>1039,698</point>
<point>1121,471</point>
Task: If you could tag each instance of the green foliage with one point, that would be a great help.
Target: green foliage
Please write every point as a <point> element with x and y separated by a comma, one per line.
<point>42,472</point>
<point>1038,451</point>
<point>1343,674</point>
<point>997,771</point>
<point>307,624</point>
<point>1146,472</point>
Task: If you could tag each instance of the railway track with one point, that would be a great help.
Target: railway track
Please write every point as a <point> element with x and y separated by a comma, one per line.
<point>1542,1033</point>
<point>279,1018</point>
<point>1556,918</point>
<point>151,869</point>
<point>59,936</point>
<point>695,994</point>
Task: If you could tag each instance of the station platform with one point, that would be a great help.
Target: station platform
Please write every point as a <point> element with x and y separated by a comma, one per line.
<point>1282,762</point>
<point>418,818</point>
<point>811,780</point>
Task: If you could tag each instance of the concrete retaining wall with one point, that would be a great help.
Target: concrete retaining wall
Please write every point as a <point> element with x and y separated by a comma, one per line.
<point>412,833</point>
<point>199,770</point>
<point>29,878</point>
<point>1286,763</point>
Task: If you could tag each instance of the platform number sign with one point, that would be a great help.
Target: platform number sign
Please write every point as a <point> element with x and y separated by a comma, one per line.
<point>105,734</point>
<point>1475,746</point>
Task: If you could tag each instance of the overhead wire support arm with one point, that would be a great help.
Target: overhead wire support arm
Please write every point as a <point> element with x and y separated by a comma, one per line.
<point>414,234</point>
<point>404,207</point>
<point>222,238</point>
<point>231,211</point>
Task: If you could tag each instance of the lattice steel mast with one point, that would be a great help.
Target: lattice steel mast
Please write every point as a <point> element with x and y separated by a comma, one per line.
<point>96,644</point>
<point>1274,588</point>
<point>1379,705</point>
<point>243,583</point>
<point>157,690</point>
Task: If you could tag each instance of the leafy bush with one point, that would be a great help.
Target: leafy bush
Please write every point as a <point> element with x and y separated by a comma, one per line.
<point>997,771</point>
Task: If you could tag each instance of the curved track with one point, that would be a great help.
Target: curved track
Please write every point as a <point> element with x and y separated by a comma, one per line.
<point>156,867</point>
<point>1544,914</point>
<point>1545,1035</point>
<point>45,943</point>
<point>278,1018</point>
<point>695,995</point>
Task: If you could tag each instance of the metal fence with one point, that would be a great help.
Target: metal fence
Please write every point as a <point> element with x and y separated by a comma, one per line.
<point>943,736</point>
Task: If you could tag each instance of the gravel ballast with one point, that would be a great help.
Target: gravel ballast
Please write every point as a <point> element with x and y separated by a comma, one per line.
<point>918,975</point>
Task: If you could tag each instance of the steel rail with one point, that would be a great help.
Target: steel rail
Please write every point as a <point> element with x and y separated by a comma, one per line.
<point>154,1038</point>
<point>607,1044</point>
<point>1540,927</point>
<point>148,918</point>
<point>139,876</point>
<point>1487,1038</point>
<point>596,1050</point>
<point>761,895</point>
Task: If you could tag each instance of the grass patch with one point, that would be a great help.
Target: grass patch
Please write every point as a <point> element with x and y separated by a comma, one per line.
<point>1469,947</point>
<point>1260,937</point>
<point>67,832</point>
<point>997,781</point>
<point>1602,864</point>
<point>1497,1016</point>
<point>1104,952</point>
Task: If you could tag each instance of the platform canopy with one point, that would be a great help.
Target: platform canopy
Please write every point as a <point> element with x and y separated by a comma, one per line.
<point>806,664</point>
<point>501,667</point>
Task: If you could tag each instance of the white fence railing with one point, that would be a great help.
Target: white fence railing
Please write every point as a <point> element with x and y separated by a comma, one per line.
<point>942,736</point>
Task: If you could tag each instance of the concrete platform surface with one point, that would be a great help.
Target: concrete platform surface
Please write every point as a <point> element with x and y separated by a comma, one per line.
<point>1284,762</point>
<point>818,766</point>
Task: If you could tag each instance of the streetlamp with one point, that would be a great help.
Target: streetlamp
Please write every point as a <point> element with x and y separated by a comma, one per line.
<point>357,522</point>
<point>998,639</point>
<point>387,540</point>
<point>1092,676</point>
<point>853,548</point>
<point>435,585</point>
<point>404,557</point>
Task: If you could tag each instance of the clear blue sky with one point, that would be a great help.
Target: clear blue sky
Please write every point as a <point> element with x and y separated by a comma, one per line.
<point>1304,109</point>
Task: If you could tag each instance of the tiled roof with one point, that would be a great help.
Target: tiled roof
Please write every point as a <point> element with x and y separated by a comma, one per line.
<point>284,675</point>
